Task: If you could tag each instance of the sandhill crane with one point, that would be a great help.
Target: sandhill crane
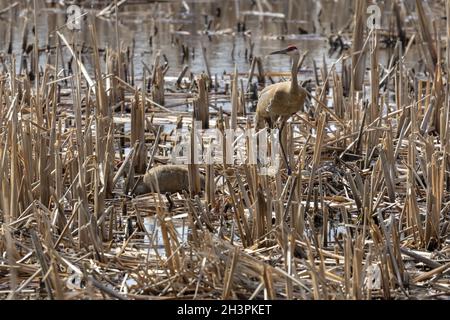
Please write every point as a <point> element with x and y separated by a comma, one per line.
<point>281,100</point>
<point>169,178</point>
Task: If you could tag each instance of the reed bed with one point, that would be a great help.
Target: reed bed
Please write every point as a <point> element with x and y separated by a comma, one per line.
<point>365,214</point>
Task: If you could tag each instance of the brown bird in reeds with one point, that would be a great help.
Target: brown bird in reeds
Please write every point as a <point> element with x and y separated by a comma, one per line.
<point>281,100</point>
<point>169,179</point>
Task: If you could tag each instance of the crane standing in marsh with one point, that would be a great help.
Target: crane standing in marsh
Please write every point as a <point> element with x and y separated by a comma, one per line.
<point>281,100</point>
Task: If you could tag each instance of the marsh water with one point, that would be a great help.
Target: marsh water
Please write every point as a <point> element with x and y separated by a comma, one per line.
<point>148,27</point>
<point>169,25</point>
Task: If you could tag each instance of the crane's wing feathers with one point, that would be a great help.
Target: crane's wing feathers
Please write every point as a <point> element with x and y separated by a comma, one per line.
<point>270,94</point>
<point>267,89</point>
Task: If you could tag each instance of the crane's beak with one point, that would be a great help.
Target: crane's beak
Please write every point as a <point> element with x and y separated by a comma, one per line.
<point>284,51</point>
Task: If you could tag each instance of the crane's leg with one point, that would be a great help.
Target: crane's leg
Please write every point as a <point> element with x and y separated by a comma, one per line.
<point>280,139</point>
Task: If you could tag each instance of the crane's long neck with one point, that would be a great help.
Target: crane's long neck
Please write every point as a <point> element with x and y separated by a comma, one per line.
<point>294,71</point>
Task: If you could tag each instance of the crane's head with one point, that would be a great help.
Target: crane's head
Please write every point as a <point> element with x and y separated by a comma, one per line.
<point>290,51</point>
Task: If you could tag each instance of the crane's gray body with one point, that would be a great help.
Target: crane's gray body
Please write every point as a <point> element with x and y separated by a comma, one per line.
<point>278,100</point>
<point>281,99</point>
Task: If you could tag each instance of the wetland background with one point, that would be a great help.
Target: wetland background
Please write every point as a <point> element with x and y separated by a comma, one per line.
<point>84,114</point>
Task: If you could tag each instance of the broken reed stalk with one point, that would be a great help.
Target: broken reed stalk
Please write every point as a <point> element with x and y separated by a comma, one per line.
<point>201,102</point>
<point>157,87</point>
<point>358,60</point>
<point>138,128</point>
<point>234,99</point>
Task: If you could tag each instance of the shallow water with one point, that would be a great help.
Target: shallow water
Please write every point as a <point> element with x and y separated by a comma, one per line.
<point>176,26</point>
<point>153,227</point>
<point>166,26</point>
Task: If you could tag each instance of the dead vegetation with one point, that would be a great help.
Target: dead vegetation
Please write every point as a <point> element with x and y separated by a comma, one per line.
<point>365,214</point>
